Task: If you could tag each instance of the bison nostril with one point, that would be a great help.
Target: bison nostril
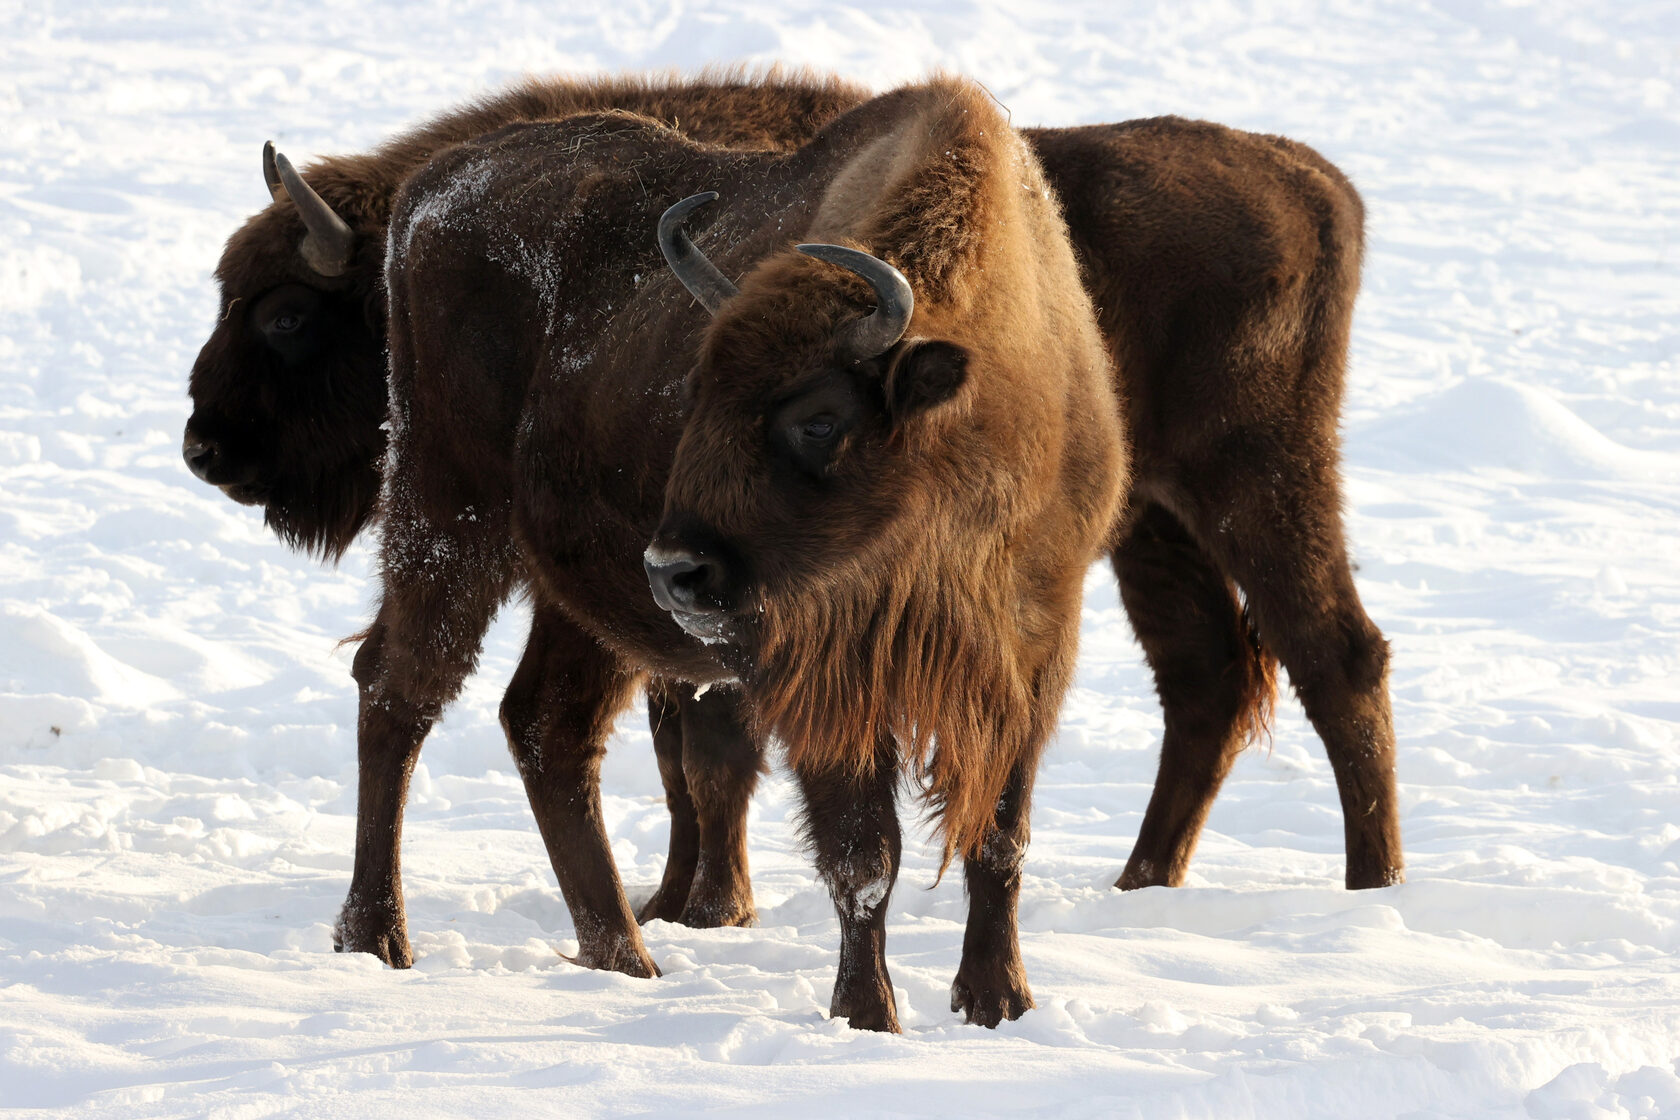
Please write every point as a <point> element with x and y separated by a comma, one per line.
<point>683,581</point>
<point>200,456</point>
<point>692,578</point>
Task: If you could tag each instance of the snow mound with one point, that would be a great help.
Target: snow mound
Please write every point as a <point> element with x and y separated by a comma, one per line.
<point>1493,423</point>
<point>40,651</point>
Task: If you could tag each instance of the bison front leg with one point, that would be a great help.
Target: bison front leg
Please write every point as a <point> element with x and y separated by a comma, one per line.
<point>852,823</point>
<point>558,712</point>
<point>420,648</point>
<point>991,983</point>
<point>388,738</point>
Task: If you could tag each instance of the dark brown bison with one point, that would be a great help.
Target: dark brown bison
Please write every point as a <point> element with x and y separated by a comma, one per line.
<point>289,397</point>
<point>1224,265</point>
<point>877,487</point>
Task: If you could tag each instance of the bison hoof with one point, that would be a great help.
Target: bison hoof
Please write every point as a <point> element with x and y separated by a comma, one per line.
<point>666,905</point>
<point>715,913</point>
<point>617,955</point>
<point>869,1013</point>
<point>379,930</point>
<point>701,908</point>
<point>866,1003</point>
<point>1143,873</point>
<point>989,1000</point>
<point>1369,878</point>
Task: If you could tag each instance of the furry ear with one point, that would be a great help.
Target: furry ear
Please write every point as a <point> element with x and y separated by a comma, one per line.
<point>924,374</point>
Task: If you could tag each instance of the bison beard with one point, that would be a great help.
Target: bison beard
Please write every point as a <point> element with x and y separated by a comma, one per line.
<point>908,667</point>
<point>914,661</point>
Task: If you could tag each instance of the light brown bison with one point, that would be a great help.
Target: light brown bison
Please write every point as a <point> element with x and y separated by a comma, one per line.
<point>877,519</point>
<point>1224,265</point>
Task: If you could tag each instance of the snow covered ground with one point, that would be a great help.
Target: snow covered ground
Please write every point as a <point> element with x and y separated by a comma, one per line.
<point>176,724</point>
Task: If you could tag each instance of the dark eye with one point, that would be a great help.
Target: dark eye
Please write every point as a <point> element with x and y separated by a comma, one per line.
<point>812,429</point>
<point>286,323</point>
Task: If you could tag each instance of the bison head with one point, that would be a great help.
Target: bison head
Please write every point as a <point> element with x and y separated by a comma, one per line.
<point>289,391</point>
<point>831,525</point>
<point>798,449</point>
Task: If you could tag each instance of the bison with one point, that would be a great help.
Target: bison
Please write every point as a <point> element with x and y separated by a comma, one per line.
<point>872,482</point>
<point>289,408</point>
<point>1224,265</point>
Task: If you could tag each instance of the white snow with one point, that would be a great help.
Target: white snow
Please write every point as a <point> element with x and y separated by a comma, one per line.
<point>177,724</point>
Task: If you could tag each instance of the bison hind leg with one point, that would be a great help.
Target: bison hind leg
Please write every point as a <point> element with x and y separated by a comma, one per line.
<point>665,722</point>
<point>1278,533</point>
<point>722,762</point>
<point>557,713</point>
<point>709,764</point>
<point>1214,681</point>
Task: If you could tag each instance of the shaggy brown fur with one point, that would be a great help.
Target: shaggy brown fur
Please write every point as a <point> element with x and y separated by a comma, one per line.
<point>913,591</point>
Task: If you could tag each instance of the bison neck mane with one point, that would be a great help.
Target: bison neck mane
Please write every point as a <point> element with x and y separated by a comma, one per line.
<point>924,660</point>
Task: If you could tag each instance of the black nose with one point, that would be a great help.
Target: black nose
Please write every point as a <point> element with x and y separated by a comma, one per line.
<point>684,581</point>
<point>200,455</point>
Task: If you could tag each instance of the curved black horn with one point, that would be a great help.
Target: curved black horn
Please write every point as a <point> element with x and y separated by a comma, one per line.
<point>699,275</point>
<point>271,174</point>
<point>327,247</point>
<point>893,300</point>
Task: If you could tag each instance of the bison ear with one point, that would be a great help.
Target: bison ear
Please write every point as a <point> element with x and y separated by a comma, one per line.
<point>924,374</point>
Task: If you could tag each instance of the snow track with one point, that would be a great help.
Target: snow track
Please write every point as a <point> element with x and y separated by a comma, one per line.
<point>176,722</point>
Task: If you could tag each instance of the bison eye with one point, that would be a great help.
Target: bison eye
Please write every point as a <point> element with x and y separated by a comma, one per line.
<point>290,320</point>
<point>810,430</point>
<point>819,429</point>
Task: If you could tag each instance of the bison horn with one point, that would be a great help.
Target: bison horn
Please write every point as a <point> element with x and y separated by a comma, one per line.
<point>894,301</point>
<point>699,275</point>
<point>271,174</point>
<point>330,239</point>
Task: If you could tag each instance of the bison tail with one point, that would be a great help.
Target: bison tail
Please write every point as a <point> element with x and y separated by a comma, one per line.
<point>1257,697</point>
